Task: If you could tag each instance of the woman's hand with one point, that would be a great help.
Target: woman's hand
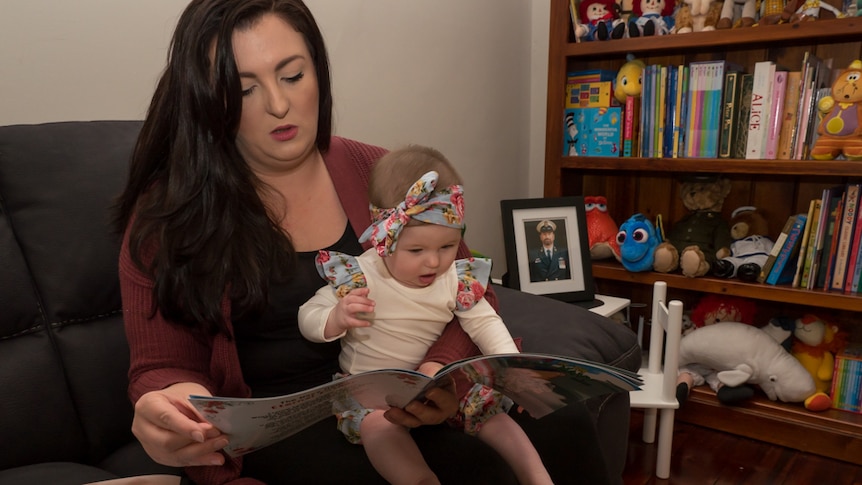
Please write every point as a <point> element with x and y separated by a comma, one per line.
<point>171,430</point>
<point>440,404</point>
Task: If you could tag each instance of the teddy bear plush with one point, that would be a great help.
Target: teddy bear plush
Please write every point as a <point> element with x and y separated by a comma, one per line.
<point>750,247</point>
<point>815,344</point>
<point>737,13</point>
<point>841,127</point>
<point>696,16</point>
<point>694,242</point>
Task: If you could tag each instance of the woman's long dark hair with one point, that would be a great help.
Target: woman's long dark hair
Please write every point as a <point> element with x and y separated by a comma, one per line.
<point>191,205</point>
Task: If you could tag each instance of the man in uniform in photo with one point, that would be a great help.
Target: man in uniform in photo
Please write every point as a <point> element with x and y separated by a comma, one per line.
<point>548,263</point>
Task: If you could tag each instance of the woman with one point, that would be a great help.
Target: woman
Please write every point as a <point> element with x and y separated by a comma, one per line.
<point>235,184</point>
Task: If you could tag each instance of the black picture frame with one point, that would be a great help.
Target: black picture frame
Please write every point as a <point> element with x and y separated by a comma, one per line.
<point>521,234</point>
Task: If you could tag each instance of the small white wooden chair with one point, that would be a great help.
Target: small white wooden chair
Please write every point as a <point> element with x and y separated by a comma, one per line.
<point>658,391</point>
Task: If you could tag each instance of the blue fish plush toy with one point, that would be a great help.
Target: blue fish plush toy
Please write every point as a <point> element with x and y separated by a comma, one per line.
<point>637,240</point>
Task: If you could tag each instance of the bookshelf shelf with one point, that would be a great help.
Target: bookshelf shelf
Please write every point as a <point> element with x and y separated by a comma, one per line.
<point>778,188</point>
<point>833,31</point>
<point>839,168</point>
<point>733,287</point>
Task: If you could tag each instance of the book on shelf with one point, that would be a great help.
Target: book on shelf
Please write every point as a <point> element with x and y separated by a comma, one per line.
<point>803,243</point>
<point>538,383</point>
<point>741,140</point>
<point>661,111</point>
<point>845,235</point>
<point>830,243</point>
<point>776,248</point>
<point>789,116</point>
<point>854,267</point>
<point>776,113</point>
<point>824,228</point>
<point>729,114</point>
<point>646,111</point>
<point>758,116</point>
<point>784,268</point>
<point>631,126</point>
<point>811,244</point>
<point>705,108</point>
<point>670,113</point>
<point>683,75</point>
<point>816,73</point>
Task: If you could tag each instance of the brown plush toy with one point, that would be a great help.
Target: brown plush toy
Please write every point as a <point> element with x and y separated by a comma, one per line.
<point>696,16</point>
<point>694,241</point>
<point>841,128</point>
<point>750,247</point>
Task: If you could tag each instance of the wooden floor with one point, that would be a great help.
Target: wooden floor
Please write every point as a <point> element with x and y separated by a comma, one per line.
<point>703,456</point>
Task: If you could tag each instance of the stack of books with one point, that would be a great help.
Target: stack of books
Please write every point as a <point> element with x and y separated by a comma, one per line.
<point>592,122</point>
<point>706,109</point>
<point>821,249</point>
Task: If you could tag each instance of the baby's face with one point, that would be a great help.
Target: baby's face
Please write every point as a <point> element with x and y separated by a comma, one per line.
<point>423,253</point>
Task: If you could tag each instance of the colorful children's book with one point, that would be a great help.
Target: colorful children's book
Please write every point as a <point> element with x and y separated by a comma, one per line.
<point>784,269</point>
<point>631,126</point>
<point>788,119</point>
<point>761,102</point>
<point>776,114</point>
<point>830,244</point>
<point>854,268</point>
<point>811,245</point>
<point>538,383</point>
<point>803,243</point>
<point>845,239</point>
<point>729,114</point>
<point>739,144</point>
<point>776,249</point>
<point>705,87</point>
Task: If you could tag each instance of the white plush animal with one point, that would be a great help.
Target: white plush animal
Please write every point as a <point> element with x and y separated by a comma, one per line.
<point>735,354</point>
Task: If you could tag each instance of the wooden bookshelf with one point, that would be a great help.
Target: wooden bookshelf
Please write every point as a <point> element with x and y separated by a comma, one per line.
<point>778,188</point>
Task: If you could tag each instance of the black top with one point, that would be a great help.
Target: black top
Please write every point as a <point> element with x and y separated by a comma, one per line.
<point>275,358</point>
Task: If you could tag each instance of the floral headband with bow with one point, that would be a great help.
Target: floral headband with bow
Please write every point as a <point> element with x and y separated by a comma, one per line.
<point>444,207</point>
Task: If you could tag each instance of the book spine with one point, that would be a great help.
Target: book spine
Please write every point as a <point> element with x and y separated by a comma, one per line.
<point>679,143</point>
<point>758,120</point>
<point>803,244</point>
<point>671,117</point>
<point>630,125</point>
<point>712,121</point>
<point>848,220</point>
<point>573,11</point>
<point>741,140</point>
<point>784,260</point>
<point>776,113</point>
<point>661,112</point>
<point>854,268</point>
<point>788,120</point>
<point>776,248</point>
<point>811,249</point>
<point>729,112</point>
<point>822,228</point>
<point>829,256</point>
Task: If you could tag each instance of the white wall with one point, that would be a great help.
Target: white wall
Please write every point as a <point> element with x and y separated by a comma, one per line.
<point>465,76</point>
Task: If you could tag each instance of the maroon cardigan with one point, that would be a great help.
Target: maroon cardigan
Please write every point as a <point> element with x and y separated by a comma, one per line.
<point>163,354</point>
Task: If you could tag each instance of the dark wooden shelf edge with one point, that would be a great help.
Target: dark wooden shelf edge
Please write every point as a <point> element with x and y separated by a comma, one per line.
<point>784,294</point>
<point>723,165</point>
<point>824,31</point>
<point>835,434</point>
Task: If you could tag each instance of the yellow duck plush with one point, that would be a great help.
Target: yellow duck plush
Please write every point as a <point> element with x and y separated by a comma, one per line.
<point>815,344</point>
<point>841,128</point>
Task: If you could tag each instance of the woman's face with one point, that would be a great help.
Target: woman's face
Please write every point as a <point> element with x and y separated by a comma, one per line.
<point>278,125</point>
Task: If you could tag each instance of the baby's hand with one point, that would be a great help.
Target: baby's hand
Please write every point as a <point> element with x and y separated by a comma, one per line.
<point>354,310</point>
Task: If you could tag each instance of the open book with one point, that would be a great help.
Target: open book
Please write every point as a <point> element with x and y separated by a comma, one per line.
<point>538,383</point>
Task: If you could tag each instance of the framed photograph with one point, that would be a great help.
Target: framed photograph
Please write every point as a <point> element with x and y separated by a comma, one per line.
<point>547,249</point>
